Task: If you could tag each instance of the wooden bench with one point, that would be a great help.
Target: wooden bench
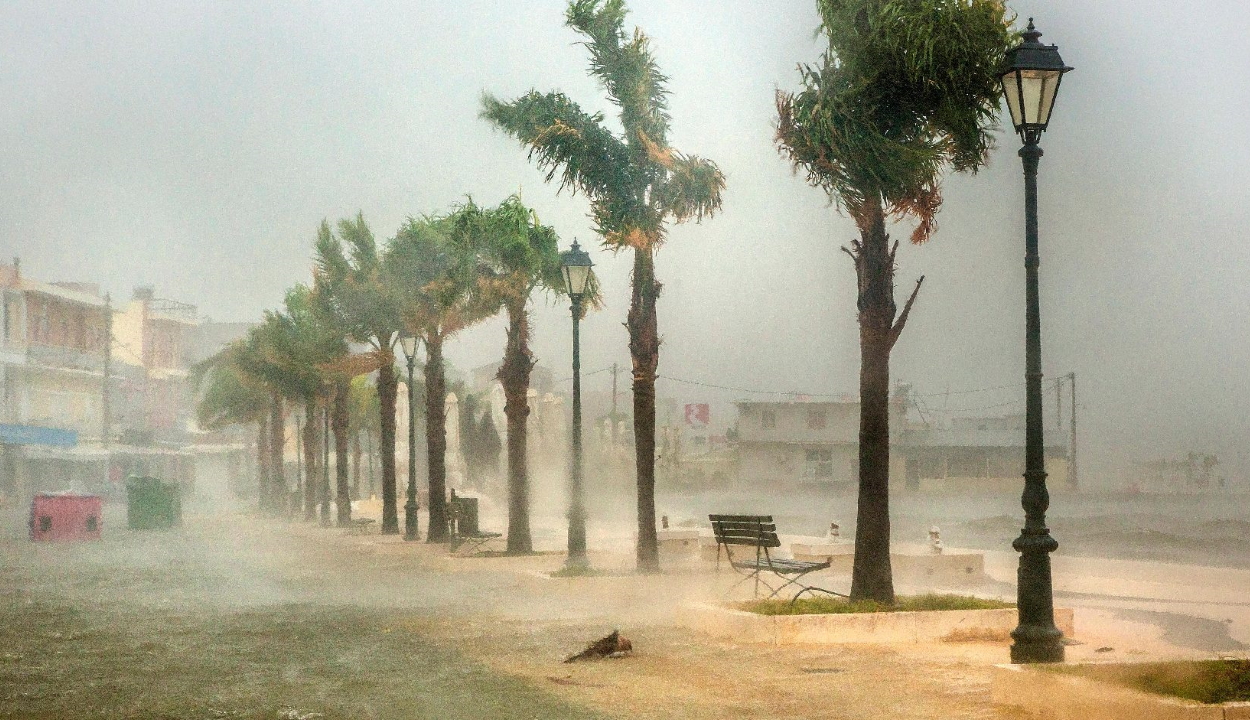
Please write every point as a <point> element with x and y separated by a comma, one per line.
<point>759,533</point>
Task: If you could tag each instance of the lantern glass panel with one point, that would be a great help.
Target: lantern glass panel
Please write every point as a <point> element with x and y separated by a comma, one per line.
<point>1011,89</point>
<point>575,277</point>
<point>409,344</point>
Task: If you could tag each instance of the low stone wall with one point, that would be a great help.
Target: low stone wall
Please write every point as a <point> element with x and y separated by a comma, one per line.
<point>885,627</point>
<point>945,569</point>
<point>1066,697</point>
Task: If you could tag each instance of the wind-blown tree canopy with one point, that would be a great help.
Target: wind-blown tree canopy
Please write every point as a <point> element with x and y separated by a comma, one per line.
<point>430,266</point>
<point>636,184</point>
<point>906,91</point>
<point>350,279</point>
<point>516,255</point>
<point>229,395</point>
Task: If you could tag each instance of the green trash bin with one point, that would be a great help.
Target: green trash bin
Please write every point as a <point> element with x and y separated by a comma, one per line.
<point>152,504</point>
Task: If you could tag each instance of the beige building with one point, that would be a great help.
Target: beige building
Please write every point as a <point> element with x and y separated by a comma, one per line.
<point>816,443</point>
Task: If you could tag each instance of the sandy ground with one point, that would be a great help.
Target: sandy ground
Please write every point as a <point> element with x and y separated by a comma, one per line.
<point>237,617</point>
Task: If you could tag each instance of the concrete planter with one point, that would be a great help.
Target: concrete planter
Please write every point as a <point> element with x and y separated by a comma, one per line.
<point>945,569</point>
<point>835,629</point>
<point>1066,697</point>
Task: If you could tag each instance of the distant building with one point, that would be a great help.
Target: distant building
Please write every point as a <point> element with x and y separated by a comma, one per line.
<point>816,443</point>
<point>803,442</point>
<point>152,348</point>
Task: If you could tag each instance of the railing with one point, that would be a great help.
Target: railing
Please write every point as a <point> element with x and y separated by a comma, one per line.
<point>173,308</point>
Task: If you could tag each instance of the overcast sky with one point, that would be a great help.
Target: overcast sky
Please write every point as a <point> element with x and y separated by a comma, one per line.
<point>196,146</point>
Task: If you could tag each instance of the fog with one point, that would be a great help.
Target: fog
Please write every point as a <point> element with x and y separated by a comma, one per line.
<point>196,147</point>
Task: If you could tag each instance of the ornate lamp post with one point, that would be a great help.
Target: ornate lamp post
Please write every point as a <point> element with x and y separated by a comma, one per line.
<point>409,345</point>
<point>576,264</point>
<point>1031,81</point>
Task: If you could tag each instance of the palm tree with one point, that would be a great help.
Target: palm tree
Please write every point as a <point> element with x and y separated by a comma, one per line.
<point>516,255</point>
<point>429,264</point>
<point>230,396</point>
<point>363,302</point>
<point>907,90</point>
<point>363,418</point>
<point>636,184</point>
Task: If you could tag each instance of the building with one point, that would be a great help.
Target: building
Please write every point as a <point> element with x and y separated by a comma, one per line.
<point>974,454</point>
<point>152,350</point>
<point>53,357</point>
<point>804,442</point>
<point>816,443</point>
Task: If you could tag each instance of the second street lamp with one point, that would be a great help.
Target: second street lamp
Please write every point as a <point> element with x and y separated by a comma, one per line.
<point>1031,80</point>
<point>575,264</point>
<point>409,345</point>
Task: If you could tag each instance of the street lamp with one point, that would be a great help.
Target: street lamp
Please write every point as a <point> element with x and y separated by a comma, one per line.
<point>576,264</point>
<point>409,345</point>
<point>1031,80</point>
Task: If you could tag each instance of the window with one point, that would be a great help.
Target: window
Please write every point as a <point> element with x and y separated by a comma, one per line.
<point>819,464</point>
<point>816,419</point>
<point>768,419</point>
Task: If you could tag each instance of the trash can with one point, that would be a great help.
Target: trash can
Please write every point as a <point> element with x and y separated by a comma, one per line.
<point>152,504</point>
<point>65,516</point>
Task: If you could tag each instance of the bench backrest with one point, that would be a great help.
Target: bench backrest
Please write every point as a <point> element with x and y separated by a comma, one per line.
<point>753,530</point>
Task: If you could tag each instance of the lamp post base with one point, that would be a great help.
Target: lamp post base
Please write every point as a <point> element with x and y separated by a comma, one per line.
<point>1045,649</point>
<point>410,521</point>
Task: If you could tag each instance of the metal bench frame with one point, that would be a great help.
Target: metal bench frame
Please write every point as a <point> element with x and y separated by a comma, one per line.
<point>473,541</point>
<point>759,532</point>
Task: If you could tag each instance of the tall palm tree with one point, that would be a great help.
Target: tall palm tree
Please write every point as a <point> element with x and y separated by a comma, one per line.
<point>516,256</point>
<point>907,90</point>
<point>228,395</point>
<point>430,265</point>
<point>636,184</point>
<point>349,272</point>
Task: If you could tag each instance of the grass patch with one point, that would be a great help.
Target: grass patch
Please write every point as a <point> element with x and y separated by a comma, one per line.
<point>1205,681</point>
<point>839,606</point>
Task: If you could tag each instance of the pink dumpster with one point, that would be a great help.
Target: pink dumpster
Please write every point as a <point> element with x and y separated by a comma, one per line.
<point>65,516</point>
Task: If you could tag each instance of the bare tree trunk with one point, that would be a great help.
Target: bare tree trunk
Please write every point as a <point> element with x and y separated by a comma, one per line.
<point>262,460</point>
<point>388,385</point>
<point>436,438</point>
<point>872,576</point>
<point>371,456</point>
<point>312,456</point>
<point>338,423</point>
<point>277,446</point>
<point>644,347</point>
<point>514,375</point>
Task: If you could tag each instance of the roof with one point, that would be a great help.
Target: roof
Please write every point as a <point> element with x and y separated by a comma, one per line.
<point>63,293</point>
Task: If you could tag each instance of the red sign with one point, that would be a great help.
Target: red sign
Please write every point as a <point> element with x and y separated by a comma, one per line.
<point>698,414</point>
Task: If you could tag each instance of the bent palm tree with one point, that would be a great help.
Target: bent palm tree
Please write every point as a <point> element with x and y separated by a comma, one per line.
<point>516,255</point>
<point>350,279</point>
<point>429,266</point>
<point>636,184</point>
<point>906,90</point>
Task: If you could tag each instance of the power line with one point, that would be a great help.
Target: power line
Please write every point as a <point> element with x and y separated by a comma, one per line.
<point>747,390</point>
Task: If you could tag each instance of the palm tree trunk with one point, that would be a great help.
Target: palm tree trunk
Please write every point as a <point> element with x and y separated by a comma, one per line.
<point>388,386</point>
<point>356,454</point>
<point>644,347</point>
<point>338,423</point>
<point>273,502</point>
<point>262,459</point>
<point>312,454</point>
<point>871,577</point>
<point>514,375</point>
<point>436,437</point>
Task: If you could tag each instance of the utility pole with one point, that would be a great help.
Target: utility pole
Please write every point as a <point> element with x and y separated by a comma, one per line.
<point>1072,478</point>
<point>615,370</point>
<point>106,420</point>
<point>1059,402</point>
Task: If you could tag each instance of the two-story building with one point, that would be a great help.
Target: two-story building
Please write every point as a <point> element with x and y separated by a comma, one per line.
<point>816,443</point>
<point>805,442</point>
<point>53,351</point>
<point>153,345</point>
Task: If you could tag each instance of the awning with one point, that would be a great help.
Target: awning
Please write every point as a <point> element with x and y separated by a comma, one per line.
<point>36,435</point>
